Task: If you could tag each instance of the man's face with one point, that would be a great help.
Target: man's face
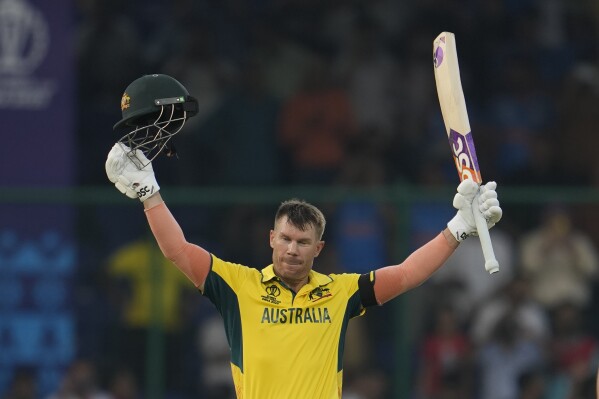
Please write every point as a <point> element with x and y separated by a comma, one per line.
<point>293,250</point>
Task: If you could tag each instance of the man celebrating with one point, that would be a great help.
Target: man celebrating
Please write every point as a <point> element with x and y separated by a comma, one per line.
<point>286,319</point>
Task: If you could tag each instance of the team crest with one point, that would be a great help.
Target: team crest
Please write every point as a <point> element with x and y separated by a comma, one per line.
<point>125,101</point>
<point>318,293</point>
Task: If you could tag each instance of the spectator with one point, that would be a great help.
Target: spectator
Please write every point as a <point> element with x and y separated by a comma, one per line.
<point>530,318</point>
<point>105,35</point>
<point>80,381</point>
<point>284,61</point>
<point>444,357</point>
<point>122,385</point>
<point>216,381</point>
<point>23,385</point>
<point>502,359</point>
<point>574,352</point>
<point>522,110</point>
<point>466,283</point>
<point>317,123</point>
<point>532,385</point>
<point>151,293</point>
<point>246,248</point>
<point>371,76</point>
<point>577,103</point>
<point>368,384</point>
<point>198,65</point>
<point>360,227</point>
<point>243,126</point>
<point>559,260</point>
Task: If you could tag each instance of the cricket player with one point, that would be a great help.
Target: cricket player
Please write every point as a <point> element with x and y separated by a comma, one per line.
<point>286,322</point>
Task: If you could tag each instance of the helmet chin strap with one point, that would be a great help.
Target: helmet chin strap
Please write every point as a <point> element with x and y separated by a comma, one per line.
<point>153,138</point>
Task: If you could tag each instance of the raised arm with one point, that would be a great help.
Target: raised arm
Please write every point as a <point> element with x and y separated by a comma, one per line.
<point>392,281</point>
<point>136,182</point>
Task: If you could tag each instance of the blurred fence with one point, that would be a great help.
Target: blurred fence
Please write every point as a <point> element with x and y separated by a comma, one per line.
<point>221,219</point>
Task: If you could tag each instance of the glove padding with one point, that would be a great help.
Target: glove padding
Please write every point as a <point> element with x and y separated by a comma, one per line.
<point>131,172</point>
<point>471,194</point>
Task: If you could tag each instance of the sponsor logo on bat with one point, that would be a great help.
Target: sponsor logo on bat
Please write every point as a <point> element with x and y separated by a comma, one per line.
<point>464,155</point>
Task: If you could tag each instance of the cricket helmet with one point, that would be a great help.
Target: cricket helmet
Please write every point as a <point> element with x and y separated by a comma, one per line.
<point>154,108</point>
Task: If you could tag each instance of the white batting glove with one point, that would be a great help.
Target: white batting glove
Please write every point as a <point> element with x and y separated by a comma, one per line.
<point>470,194</point>
<point>128,173</point>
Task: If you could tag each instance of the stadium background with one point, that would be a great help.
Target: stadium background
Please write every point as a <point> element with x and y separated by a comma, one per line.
<point>333,102</point>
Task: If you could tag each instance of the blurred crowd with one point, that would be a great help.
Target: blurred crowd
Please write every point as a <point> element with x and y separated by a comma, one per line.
<point>304,92</point>
<point>298,88</point>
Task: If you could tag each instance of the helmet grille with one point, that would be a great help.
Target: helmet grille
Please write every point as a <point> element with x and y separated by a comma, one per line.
<point>153,132</point>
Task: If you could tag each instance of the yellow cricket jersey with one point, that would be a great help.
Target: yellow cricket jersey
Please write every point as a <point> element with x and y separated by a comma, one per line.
<point>284,345</point>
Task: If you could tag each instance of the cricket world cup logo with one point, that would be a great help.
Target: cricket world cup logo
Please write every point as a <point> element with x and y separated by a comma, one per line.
<point>24,37</point>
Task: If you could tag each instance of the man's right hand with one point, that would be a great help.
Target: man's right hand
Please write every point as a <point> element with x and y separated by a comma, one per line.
<point>128,173</point>
<point>468,196</point>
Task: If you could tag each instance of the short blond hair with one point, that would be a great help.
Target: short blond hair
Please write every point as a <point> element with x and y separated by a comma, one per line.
<point>302,214</point>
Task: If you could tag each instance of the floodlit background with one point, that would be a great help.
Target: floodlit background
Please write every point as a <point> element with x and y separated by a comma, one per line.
<point>330,101</point>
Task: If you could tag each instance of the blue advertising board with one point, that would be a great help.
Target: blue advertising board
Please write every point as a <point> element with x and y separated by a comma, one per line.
<point>37,250</point>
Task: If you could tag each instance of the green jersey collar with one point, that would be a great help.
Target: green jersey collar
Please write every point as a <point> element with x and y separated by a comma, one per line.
<point>314,278</point>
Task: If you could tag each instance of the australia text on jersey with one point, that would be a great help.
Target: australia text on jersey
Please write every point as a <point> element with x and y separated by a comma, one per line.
<point>296,315</point>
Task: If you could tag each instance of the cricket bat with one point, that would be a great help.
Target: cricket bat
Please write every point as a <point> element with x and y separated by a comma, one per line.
<point>457,125</point>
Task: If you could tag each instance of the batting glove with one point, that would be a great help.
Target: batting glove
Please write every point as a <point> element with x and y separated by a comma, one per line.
<point>471,194</point>
<point>131,172</point>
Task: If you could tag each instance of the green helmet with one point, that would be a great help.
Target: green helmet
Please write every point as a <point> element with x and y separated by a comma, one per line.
<point>147,95</point>
<point>154,109</point>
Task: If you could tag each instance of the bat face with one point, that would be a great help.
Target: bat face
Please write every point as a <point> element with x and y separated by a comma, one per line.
<point>453,107</point>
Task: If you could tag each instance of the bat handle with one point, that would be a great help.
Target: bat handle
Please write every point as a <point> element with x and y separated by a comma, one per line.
<point>491,264</point>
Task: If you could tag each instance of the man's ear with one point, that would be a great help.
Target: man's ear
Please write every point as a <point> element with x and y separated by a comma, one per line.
<point>319,247</point>
<point>272,239</point>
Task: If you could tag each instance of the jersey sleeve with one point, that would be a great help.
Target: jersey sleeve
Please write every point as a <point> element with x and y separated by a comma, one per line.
<point>225,279</point>
<point>350,286</point>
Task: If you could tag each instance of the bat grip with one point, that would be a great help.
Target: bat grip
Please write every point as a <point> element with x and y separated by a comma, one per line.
<point>491,264</point>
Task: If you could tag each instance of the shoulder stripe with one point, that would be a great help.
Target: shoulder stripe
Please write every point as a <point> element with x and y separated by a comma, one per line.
<point>227,304</point>
<point>353,309</point>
